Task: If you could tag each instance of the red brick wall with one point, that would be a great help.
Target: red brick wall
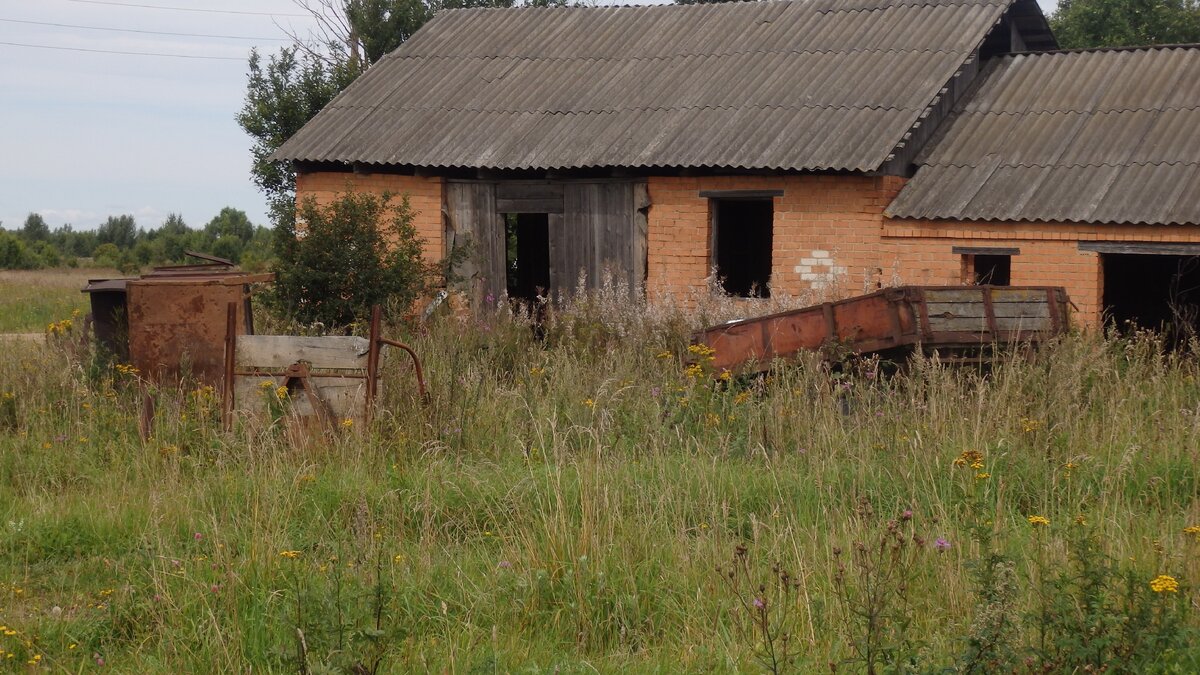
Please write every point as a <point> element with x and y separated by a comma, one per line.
<point>831,238</point>
<point>424,196</point>
<point>827,231</point>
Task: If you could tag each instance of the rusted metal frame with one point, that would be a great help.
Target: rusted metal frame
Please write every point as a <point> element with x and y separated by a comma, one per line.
<point>894,320</point>
<point>989,312</point>
<point>416,363</point>
<point>1056,311</point>
<point>230,348</point>
<point>373,361</point>
<point>768,341</point>
<point>923,312</point>
<point>298,372</point>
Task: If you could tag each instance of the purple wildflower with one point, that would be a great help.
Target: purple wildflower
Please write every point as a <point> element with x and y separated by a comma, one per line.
<point>504,564</point>
<point>197,536</point>
<point>907,515</point>
<point>759,603</point>
<point>941,544</point>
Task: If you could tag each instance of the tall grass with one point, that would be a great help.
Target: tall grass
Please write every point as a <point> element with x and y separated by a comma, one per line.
<point>564,504</point>
<point>30,300</point>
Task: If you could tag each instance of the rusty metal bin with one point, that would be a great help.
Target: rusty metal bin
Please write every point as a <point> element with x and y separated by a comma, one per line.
<point>174,318</point>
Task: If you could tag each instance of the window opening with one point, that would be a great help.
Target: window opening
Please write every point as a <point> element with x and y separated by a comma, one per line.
<point>527,255</point>
<point>742,245</point>
<point>993,269</point>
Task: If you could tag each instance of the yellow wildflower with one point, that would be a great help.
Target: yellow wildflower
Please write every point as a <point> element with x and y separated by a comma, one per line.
<point>983,475</point>
<point>1164,583</point>
<point>398,558</point>
<point>1039,521</point>
<point>1030,425</point>
<point>537,372</point>
<point>725,375</point>
<point>266,384</point>
<point>291,555</point>
<point>589,403</point>
<point>1193,530</point>
<point>664,354</point>
<point>694,371</point>
<point>281,392</point>
<point>741,398</point>
<point>347,423</point>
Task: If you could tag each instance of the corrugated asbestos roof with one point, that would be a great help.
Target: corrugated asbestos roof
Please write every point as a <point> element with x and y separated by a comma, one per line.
<point>1106,136</point>
<point>801,84</point>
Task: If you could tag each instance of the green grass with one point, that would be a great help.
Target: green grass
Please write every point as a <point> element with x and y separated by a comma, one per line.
<point>29,301</point>
<point>564,506</point>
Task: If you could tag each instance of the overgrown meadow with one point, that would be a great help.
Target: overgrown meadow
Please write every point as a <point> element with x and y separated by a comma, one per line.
<point>588,502</point>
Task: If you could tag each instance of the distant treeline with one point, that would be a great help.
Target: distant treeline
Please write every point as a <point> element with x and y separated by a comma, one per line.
<point>119,243</point>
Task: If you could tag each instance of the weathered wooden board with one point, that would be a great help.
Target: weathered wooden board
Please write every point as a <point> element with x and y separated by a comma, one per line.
<point>975,294</point>
<point>345,397</point>
<point>276,352</point>
<point>1024,323</point>
<point>472,220</point>
<point>597,236</point>
<point>957,324</point>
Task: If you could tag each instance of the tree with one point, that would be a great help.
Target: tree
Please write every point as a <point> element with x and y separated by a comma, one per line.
<point>120,231</point>
<point>230,222</point>
<point>293,85</point>
<point>1119,23</point>
<point>35,228</point>
<point>337,260</point>
<point>281,96</point>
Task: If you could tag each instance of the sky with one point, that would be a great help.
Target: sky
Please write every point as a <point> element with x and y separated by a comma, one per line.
<point>88,134</point>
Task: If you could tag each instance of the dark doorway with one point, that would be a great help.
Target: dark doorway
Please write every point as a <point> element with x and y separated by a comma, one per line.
<point>742,245</point>
<point>1158,292</point>
<point>527,255</point>
<point>993,269</point>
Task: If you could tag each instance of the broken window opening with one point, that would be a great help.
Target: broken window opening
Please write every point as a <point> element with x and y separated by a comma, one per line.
<point>1155,292</point>
<point>742,238</point>
<point>995,270</point>
<point>527,255</point>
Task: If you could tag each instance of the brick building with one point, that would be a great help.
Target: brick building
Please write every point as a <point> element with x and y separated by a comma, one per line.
<point>784,145</point>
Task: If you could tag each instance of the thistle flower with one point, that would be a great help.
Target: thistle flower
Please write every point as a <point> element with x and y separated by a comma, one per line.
<point>941,544</point>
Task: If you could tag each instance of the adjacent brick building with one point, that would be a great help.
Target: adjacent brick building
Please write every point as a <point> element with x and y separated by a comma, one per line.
<point>782,146</point>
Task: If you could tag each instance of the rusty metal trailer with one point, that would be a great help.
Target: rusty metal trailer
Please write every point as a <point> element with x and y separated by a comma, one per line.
<point>962,321</point>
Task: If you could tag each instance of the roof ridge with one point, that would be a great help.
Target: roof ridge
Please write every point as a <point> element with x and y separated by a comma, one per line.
<point>527,57</point>
<point>607,111</point>
<point>1074,165</point>
<point>1072,111</point>
<point>1092,50</point>
<point>727,6</point>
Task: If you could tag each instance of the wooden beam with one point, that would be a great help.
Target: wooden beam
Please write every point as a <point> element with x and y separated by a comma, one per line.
<point>740,194</point>
<point>984,250</point>
<point>1139,248</point>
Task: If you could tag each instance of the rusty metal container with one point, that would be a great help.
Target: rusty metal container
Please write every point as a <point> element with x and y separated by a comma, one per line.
<point>962,320</point>
<point>175,317</point>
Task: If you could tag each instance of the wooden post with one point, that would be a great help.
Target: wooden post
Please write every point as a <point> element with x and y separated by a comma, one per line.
<point>373,361</point>
<point>230,348</point>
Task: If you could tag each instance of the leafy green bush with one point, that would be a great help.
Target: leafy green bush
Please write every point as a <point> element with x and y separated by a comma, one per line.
<point>15,255</point>
<point>337,260</point>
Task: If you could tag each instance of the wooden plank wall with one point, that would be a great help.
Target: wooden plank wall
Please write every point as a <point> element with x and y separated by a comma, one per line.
<point>595,227</point>
<point>472,220</point>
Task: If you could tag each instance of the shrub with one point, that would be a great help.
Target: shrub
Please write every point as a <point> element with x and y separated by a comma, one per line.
<point>337,260</point>
<point>15,255</point>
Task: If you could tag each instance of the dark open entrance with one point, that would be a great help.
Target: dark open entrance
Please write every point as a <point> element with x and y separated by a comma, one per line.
<point>1158,292</point>
<point>742,245</point>
<point>993,269</point>
<point>527,254</point>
